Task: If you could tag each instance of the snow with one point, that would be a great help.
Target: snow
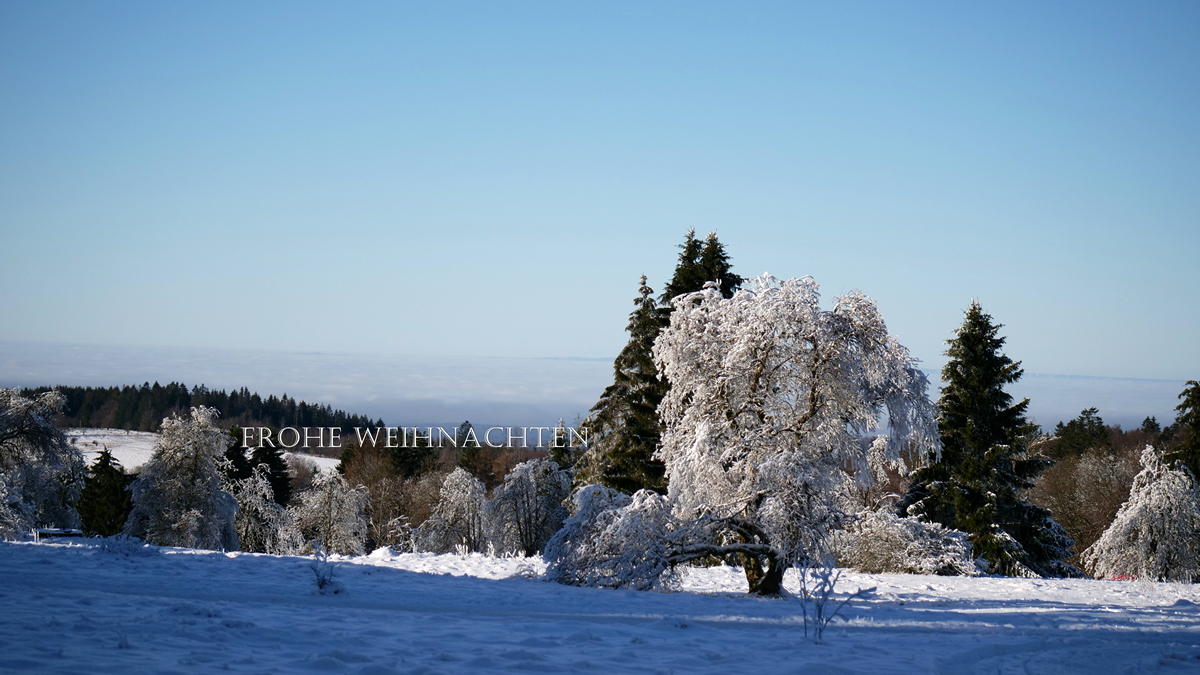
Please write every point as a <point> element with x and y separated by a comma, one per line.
<point>133,448</point>
<point>72,607</point>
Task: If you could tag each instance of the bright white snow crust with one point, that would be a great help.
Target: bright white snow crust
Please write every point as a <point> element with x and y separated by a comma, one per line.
<point>71,607</point>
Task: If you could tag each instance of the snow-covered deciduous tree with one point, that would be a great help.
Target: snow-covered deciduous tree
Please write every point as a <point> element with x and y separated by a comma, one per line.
<point>527,508</point>
<point>260,521</point>
<point>41,474</point>
<point>460,518</point>
<point>178,498</point>
<point>880,542</point>
<point>769,396</point>
<point>1156,534</point>
<point>612,540</point>
<point>332,514</point>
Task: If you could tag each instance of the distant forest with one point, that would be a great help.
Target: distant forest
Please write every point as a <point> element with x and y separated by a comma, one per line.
<point>143,408</point>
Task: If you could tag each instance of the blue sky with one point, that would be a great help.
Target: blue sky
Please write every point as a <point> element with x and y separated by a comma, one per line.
<point>490,179</point>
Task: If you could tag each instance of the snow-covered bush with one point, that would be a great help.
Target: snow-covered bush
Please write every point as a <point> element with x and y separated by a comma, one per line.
<point>1156,534</point>
<point>612,540</point>
<point>178,499</point>
<point>41,474</point>
<point>880,542</point>
<point>332,514</point>
<point>769,397</point>
<point>527,508</point>
<point>260,522</point>
<point>460,518</point>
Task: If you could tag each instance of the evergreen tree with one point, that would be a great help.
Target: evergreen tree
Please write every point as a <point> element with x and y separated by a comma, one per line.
<point>561,452</point>
<point>624,428</point>
<point>699,264</point>
<point>280,477</point>
<point>104,504</point>
<point>1080,435</point>
<point>975,485</point>
<point>238,467</point>
<point>1187,429</point>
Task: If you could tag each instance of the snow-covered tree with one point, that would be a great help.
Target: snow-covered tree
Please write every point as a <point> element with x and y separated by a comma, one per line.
<point>769,396</point>
<point>333,514</point>
<point>178,498</point>
<point>460,518</point>
<point>612,540</point>
<point>1156,534</point>
<point>527,508</point>
<point>260,521</point>
<point>41,474</point>
<point>880,542</point>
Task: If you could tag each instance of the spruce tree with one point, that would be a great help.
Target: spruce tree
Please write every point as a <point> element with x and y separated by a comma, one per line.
<point>105,503</point>
<point>975,486</point>
<point>623,428</point>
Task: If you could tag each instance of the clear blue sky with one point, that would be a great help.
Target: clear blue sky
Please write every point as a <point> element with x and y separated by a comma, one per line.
<point>491,179</point>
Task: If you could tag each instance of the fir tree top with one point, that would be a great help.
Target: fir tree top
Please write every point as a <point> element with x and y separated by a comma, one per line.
<point>700,264</point>
<point>974,411</point>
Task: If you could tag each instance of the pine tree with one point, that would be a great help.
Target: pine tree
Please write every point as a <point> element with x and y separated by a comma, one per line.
<point>105,503</point>
<point>1187,429</point>
<point>975,486</point>
<point>624,428</point>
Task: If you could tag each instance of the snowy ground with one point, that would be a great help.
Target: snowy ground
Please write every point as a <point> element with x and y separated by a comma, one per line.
<point>133,448</point>
<point>72,608</point>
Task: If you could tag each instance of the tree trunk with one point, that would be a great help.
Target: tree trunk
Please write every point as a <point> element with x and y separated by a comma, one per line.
<point>768,583</point>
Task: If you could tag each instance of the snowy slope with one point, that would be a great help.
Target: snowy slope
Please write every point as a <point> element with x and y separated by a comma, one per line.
<point>73,608</point>
<point>133,448</point>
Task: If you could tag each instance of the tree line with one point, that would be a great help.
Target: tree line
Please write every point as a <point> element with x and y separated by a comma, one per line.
<point>144,408</point>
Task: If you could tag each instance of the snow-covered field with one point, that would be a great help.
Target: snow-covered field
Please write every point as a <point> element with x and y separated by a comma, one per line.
<point>72,607</point>
<point>133,448</point>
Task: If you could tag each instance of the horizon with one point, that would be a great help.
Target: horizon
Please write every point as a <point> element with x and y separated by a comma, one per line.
<point>413,390</point>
